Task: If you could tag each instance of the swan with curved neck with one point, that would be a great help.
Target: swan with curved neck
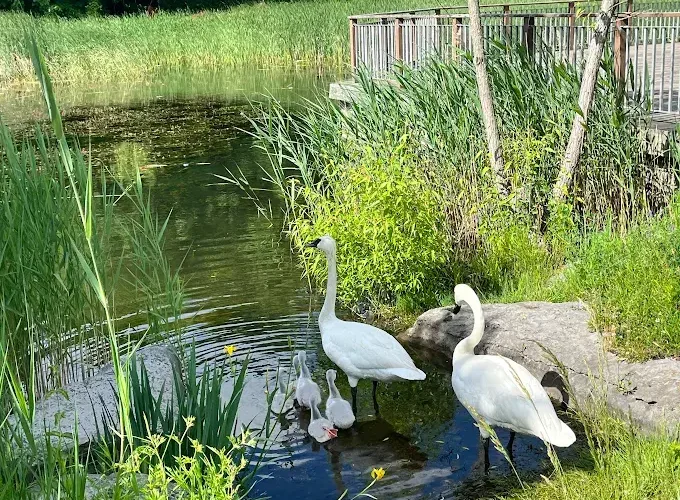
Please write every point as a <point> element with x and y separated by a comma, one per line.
<point>338,410</point>
<point>499,392</point>
<point>361,351</point>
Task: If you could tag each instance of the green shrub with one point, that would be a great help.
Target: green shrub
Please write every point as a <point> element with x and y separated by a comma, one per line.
<point>387,220</point>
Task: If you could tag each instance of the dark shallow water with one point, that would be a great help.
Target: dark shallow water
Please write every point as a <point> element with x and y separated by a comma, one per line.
<point>243,287</point>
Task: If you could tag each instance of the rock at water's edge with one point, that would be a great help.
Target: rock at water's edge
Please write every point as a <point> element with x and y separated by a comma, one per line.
<point>649,392</point>
<point>91,400</point>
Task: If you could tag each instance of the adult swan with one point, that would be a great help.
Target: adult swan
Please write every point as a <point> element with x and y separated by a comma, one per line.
<point>500,392</point>
<point>361,351</point>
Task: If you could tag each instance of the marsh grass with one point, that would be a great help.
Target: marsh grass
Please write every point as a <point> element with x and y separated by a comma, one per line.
<point>271,34</point>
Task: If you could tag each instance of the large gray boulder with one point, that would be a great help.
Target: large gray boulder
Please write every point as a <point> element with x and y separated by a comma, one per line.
<point>92,399</point>
<point>648,392</point>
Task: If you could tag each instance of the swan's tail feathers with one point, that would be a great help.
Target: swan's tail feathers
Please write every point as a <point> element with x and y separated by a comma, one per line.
<point>563,437</point>
<point>409,373</point>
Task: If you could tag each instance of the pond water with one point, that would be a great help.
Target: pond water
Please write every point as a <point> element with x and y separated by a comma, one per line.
<point>243,287</point>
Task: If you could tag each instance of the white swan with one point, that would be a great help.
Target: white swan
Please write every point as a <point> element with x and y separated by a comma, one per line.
<point>361,351</point>
<point>283,399</point>
<point>499,391</point>
<point>338,410</point>
<point>306,389</point>
<point>320,428</point>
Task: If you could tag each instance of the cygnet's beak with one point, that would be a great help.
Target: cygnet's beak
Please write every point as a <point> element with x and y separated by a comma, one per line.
<point>332,433</point>
<point>313,244</point>
<point>456,309</point>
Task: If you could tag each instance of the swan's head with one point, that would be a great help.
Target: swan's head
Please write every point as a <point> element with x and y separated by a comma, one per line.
<point>463,293</point>
<point>322,429</point>
<point>331,375</point>
<point>325,243</point>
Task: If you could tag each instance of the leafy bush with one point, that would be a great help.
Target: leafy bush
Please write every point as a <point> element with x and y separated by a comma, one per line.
<point>377,206</point>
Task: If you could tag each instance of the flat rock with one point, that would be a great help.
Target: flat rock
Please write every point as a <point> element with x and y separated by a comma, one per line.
<point>648,393</point>
<point>91,400</point>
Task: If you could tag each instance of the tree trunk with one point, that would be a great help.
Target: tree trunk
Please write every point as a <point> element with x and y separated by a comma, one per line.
<point>585,100</point>
<point>492,137</point>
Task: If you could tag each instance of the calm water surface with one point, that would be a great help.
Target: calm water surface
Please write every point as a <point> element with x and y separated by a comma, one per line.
<point>243,286</point>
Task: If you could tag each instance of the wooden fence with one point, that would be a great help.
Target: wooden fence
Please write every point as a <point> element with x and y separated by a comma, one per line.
<point>645,45</point>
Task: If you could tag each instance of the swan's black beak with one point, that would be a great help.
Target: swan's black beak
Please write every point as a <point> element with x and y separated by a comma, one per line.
<point>456,309</point>
<point>314,243</point>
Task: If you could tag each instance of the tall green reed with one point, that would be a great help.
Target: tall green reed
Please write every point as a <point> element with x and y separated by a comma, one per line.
<point>59,273</point>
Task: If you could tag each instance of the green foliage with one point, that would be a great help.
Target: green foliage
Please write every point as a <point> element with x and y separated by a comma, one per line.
<point>197,411</point>
<point>631,282</point>
<point>287,35</point>
<point>377,205</point>
<point>201,474</point>
<point>331,165</point>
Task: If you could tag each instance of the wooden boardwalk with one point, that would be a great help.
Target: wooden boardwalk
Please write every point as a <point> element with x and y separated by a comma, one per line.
<point>645,45</point>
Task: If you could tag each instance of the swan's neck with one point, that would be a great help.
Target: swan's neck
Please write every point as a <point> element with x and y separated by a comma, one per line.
<point>328,309</point>
<point>316,414</point>
<point>467,345</point>
<point>282,385</point>
<point>332,389</point>
<point>304,371</point>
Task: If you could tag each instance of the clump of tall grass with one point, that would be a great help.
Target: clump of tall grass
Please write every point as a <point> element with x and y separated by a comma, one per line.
<point>58,281</point>
<point>271,34</point>
<point>631,282</point>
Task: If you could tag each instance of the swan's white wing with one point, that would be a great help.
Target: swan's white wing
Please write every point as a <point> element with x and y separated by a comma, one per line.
<point>365,347</point>
<point>505,394</point>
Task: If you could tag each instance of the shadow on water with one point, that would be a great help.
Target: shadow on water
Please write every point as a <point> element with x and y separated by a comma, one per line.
<point>243,287</point>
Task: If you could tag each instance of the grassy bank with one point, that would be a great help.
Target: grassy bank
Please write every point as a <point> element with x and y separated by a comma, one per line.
<point>403,183</point>
<point>279,34</point>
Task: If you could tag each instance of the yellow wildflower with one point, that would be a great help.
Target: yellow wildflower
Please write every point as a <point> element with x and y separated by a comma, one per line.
<point>378,474</point>
<point>229,349</point>
<point>189,421</point>
<point>198,447</point>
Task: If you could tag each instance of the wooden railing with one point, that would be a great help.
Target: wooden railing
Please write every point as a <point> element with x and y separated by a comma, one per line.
<point>645,44</point>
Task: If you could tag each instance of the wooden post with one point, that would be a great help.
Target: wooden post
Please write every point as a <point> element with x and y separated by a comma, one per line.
<point>629,6</point>
<point>398,53</point>
<point>572,26</point>
<point>353,44</point>
<point>529,29</point>
<point>455,36</point>
<point>507,22</point>
<point>620,51</point>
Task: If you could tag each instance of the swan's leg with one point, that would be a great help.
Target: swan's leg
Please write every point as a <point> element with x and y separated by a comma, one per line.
<point>354,400</point>
<point>486,455</point>
<point>509,447</point>
<point>375,397</point>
